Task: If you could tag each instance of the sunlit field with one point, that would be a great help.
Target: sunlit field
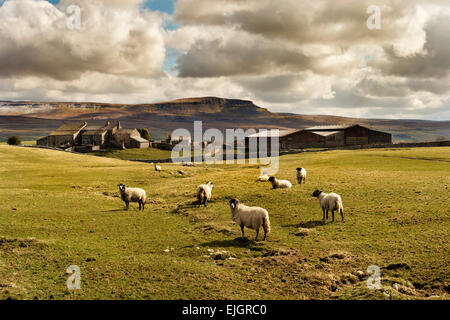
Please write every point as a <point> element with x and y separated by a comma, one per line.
<point>59,209</point>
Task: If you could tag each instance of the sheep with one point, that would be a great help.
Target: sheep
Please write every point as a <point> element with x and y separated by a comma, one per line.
<point>280,184</point>
<point>301,175</point>
<point>180,172</point>
<point>250,217</point>
<point>263,178</point>
<point>204,193</point>
<point>133,195</point>
<point>329,201</point>
<point>157,168</point>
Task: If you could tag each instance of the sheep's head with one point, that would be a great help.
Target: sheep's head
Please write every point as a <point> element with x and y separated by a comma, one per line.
<point>211,184</point>
<point>299,169</point>
<point>272,179</point>
<point>234,203</point>
<point>121,187</point>
<point>316,193</point>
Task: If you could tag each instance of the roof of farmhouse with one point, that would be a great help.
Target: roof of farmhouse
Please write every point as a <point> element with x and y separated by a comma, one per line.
<point>90,130</point>
<point>68,129</point>
<point>138,139</point>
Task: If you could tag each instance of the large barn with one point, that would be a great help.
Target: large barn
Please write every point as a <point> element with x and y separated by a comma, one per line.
<point>326,137</point>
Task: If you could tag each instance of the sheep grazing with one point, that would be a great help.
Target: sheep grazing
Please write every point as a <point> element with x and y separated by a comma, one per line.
<point>263,178</point>
<point>301,175</point>
<point>329,201</point>
<point>133,195</point>
<point>280,184</point>
<point>157,168</point>
<point>188,164</point>
<point>180,172</point>
<point>204,193</point>
<point>250,217</point>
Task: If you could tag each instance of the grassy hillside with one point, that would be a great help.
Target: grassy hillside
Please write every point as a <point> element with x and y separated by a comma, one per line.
<point>134,154</point>
<point>59,209</point>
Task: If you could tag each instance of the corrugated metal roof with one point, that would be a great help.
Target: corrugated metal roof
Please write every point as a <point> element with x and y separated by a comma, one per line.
<point>325,133</point>
<point>331,127</point>
<point>269,133</point>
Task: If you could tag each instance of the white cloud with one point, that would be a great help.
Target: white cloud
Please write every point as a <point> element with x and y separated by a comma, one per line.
<point>297,56</point>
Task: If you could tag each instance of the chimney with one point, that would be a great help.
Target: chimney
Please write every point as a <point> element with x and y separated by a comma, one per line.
<point>118,125</point>
<point>108,123</point>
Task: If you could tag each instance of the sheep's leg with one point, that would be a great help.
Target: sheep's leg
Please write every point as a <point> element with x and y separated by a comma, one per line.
<point>143,206</point>
<point>256,236</point>
<point>323,211</point>
<point>139,205</point>
<point>332,212</point>
<point>242,231</point>
<point>342,215</point>
<point>327,214</point>
<point>127,205</point>
<point>265,233</point>
<point>304,180</point>
<point>206,203</point>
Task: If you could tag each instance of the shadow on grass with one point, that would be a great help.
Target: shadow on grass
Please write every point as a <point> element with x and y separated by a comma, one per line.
<point>237,242</point>
<point>180,209</point>
<point>308,224</point>
<point>116,210</point>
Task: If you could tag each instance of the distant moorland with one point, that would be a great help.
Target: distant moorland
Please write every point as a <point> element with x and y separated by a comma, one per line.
<point>31,120</point>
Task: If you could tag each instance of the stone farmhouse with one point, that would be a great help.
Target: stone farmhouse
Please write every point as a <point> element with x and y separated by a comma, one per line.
<point>94,137</point>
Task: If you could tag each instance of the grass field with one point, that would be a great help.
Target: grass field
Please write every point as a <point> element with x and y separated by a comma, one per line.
<point>59,209</point>
<point>135,154</point>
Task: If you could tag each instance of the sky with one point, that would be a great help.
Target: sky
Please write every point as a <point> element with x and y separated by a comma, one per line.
<point>306,57</point>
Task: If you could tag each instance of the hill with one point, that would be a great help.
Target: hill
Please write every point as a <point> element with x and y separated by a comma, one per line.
<point>59,209</point>
<point>36,119</point>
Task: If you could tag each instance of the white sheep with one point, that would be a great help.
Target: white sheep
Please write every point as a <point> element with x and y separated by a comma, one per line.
<point>280,184</point>
<point>329,201</point>
<point>188,164</point>
<point>263,178</point>
<point>157,168</point>
<point>250,217</point>
<point>204,193</point>
<point>301,175</point>
<point>133,195</point>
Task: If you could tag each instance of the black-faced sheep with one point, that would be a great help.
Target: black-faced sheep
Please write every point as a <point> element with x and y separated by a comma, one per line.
<point>301,175</point>
<point>280,184</point>
<point>133,195</point>
<point>250,217</point>
<point>329,201</point>
<point>204,193</point>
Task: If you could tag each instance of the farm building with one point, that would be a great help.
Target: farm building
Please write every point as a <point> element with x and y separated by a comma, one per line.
<point>66,135</point>
<point>351,135</point>
<point>324,137</point>
<point>94,137</point>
